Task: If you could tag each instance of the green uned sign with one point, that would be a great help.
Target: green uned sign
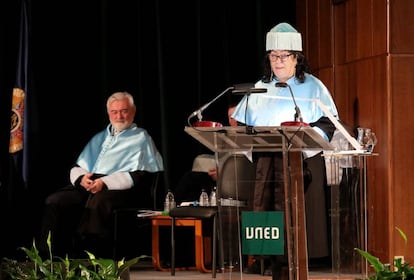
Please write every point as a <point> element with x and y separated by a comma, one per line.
<point>262,233</point>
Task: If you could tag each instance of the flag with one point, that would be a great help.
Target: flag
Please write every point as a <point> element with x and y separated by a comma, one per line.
<point>19,125</point>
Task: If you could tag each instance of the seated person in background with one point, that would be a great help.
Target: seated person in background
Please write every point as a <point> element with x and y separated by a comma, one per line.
<point>203,173</point>
<point>107,174</point>
<point>201,176</point>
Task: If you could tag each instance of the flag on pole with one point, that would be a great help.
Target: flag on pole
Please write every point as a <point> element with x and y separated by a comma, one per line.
<point>17,121</point>
<point>19,125</point>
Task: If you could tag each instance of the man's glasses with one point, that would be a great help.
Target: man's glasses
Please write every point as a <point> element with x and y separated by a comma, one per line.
<point>282,57</point>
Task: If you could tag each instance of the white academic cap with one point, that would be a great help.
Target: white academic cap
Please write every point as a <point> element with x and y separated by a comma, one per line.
<point>203,163</point>
<point>283,37</point>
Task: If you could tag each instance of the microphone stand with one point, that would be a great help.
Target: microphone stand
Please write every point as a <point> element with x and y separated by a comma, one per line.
<point>298,114</point>
<point>292,236</point>
<point>247,89</point>
<point>237,89</point>
<point>205,106</point>
<point>249,128</point>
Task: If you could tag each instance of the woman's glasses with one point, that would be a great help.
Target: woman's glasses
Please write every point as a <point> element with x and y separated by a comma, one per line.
<point>282,57</point>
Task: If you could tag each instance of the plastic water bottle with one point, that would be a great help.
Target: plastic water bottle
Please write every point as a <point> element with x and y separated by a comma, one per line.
<point>213,197</point>
<point>203,201</point>
<point>169,201</point>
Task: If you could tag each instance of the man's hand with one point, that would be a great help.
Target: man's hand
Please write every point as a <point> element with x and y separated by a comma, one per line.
<point>92,186</point>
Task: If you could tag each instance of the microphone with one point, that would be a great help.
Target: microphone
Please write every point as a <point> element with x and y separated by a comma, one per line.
<point>298,114</point>
<point>205,106</point>
<point>247,88</point>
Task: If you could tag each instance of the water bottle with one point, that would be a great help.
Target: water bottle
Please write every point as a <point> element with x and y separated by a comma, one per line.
<point>169,201</point>
<point>213,197</point>
<point>203,198</point>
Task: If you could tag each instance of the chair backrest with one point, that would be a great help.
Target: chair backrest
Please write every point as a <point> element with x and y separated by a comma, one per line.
<point>235,185</point>
<point>150,193</point>
<point>157,190</point>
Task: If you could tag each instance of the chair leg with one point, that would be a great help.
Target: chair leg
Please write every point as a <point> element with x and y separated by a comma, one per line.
<point>213,262</point>
<point>115,235</point>
<point>172,246</point>
<point>220,239</point>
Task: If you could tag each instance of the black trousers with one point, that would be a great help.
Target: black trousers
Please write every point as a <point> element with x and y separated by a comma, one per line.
<point>78,220</point>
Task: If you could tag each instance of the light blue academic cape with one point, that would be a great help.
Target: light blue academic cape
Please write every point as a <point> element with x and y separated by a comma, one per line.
<point>130,150</point>
<point>276,105</point>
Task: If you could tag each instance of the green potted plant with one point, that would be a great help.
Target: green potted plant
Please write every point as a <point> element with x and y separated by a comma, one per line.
<point>384,271</point>
<point>54,268</point>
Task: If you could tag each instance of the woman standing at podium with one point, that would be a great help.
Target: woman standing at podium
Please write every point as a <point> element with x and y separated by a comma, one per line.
<point>288,82</point>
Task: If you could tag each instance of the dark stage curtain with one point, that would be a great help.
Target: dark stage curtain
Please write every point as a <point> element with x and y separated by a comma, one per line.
<point>173,56</point>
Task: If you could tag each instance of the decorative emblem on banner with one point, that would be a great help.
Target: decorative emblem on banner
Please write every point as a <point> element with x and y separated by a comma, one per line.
<point>17,112</point>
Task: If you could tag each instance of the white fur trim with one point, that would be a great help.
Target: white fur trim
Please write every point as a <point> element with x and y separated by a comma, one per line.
<point>75,173</point>
<point>118,181</point>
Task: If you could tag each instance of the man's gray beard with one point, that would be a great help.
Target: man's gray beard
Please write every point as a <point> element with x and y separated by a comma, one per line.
<point>120,127</point>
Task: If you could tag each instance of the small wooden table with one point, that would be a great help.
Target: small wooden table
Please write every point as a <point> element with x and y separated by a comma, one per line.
<point>202,244</point>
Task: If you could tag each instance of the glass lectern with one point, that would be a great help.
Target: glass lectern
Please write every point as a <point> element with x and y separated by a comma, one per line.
<point>291,141</point>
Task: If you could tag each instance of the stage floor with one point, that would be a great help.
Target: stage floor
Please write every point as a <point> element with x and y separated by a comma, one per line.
<point>193,274</point>
<point>148,273</point>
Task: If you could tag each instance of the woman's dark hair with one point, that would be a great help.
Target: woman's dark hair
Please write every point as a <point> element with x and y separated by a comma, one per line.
<point>302,67</point>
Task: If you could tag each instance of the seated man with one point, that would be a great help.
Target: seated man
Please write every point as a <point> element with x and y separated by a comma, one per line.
<point>108,173</point>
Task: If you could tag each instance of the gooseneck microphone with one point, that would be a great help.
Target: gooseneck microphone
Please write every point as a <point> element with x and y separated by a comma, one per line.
<point>205,106</point>
<point>298,114</point>
<point>238,89</point>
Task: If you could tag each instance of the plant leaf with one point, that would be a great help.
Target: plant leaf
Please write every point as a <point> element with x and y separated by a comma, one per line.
<point>403,235</point>
<point>374,261</point>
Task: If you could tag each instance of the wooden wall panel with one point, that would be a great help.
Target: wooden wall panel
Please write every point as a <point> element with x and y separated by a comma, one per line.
<point>402,139</point>
<point>359,78</point>
<point>350,24</point>
<point>358,21</point>
<point>379,17</point>
<point>301,23</point>
<point>361,35</point>
<point>364,35</point>
<point>312,51</point>
<point>345,96</point>
<point>373,112</point>
<point>401,26</point>
<point>326,76</point>
<point>339,27</point>
<point>325,34</point>
<point>370,81</point>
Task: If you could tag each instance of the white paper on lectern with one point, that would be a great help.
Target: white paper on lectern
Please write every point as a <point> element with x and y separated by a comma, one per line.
<point>339,126</point>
